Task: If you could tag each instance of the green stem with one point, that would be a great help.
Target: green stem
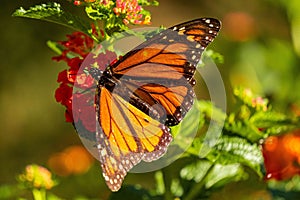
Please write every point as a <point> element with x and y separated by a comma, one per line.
<point>198,187</point>
<point>39,194</point>
<point>94,38</point>
<point>97,40</point>
<point>167,182</point>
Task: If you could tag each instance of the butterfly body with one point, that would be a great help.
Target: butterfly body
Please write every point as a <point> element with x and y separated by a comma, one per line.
<point>144,92</point>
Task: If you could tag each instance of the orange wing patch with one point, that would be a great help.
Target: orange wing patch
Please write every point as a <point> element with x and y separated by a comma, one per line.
<point>176,100</point>
<point>127,136</point>
<point>171,102</point>
<point>169,98</point>
<point>155,61</point>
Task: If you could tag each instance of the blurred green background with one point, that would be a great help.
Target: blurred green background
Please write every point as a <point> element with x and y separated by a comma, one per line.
<point>260,40</point>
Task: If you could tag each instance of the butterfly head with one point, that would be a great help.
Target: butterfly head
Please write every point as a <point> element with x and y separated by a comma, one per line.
<point>95,73</point>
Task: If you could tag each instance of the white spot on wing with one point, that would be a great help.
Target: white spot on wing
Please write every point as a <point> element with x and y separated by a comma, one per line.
<point>103,152</point>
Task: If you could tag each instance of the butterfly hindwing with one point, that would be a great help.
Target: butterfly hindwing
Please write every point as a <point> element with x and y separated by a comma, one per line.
<point>126,136</point>
<point>171,102</point>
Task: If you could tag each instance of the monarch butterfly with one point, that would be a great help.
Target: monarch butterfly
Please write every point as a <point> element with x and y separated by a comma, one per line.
<point>144,92</point>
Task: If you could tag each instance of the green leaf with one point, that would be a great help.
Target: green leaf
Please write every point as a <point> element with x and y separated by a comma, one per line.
<point>185,132</point>
<point>190,124</point>
<point>220,175</point>
<point>288,189</point>
<point>210,111</point>
<point>57,48</point>
<point>207,175</point>
<point>243,128</point>
<point>273,123</point>
<point>52,12</point>
<point>176,188</point>
<point>230,150</point>
<point>212,135</point>
<point>215,56</point>
<point>97,13</point>
<point>216,118</point>
<point>160,185</point>
<point>196,171</point>
<point>148,2</point>
<point>292,184</point>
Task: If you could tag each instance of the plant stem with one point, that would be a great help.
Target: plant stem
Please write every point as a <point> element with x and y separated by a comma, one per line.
<point>167,182</point>
<point>39,194</point>
<point>198,187</point>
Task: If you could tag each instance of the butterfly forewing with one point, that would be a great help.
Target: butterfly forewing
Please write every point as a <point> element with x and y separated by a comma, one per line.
<point>202,30</point>
<point>168,60</point>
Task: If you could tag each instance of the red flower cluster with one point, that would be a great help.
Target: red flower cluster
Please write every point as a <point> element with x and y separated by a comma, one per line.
<point>76,91</point>
<point>282,155</point>
<point>76,48</point>
<point>77,45</point>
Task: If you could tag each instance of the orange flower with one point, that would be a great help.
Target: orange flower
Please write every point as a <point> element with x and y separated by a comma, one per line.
<point>282,155</point>
<point>73,160</point>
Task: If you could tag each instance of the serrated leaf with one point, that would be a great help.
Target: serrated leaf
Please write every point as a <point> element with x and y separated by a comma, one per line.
<point>230,150</point>
<point>52,12</point>
<point>223,174</point>
<point>266,119</point>
<point>212,175</point>
<point>242,128</point>
<point>196,171</point>
<point>273,123</point>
